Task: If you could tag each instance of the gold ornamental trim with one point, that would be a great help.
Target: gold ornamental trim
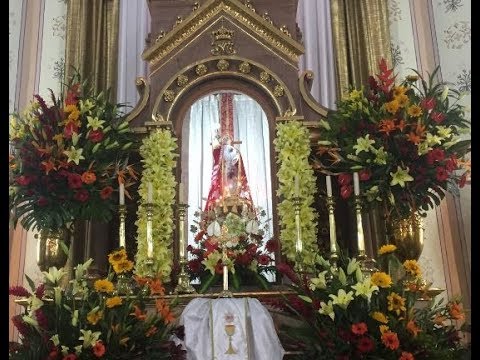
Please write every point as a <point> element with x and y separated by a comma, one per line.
<point>307,76</point>
<point>275,38</point>
<point>143,88</point>
<point>201,68</point>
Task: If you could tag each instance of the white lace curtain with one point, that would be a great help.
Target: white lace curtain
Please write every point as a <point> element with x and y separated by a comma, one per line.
<point>251,128</point>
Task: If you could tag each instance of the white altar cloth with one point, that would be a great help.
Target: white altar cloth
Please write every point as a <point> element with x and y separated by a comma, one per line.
<point>229,329</point>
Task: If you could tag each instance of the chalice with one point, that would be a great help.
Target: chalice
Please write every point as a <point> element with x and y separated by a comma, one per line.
<point>230,330</point>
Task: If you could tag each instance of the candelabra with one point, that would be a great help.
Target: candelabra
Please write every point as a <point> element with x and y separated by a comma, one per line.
<point>183,285</point>
<point>225,293</point>
<point>367,265</point>
<point>149,261</point>
<point>123,282</point>
<point>333,234</point>
<point>298,243</point>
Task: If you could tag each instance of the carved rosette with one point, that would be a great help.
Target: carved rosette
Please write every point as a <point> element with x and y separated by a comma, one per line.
<point>223,65</point>
<point>264,77</point>
<point>182,80</point>
<point>169,95</point>
<point>201,70</point>
<point>278,91</point>
<point>245,68</point>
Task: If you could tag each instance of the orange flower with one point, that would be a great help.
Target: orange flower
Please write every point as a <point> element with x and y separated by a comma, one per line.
<point>164,310</point>
<point>381,279</point>
<point>94,317</point>
<point>402,100</point>
<point>89,177</point>
<point>455,311</point>
<point>117,256</point>
<point>122,266</point>
<point>138,313</point>
<point>412,268</point>
<point>415,111</point>
<point>399,90</point>
<point>390,340</point>
<point>414,138</point>
<point>48,166</point>
<point>359,328</point>
<point>406,356</point>
<point>396,303</point>
<point>439,319</point>
<point>152,330</point>
<point>103,285</point>
<point>387,126</point>
<point>98,349</point>
<point>156,287</point>
<point>141,281</point>
<point>392,106</point>
<point>114,301</point>
<point>413,328</point>
<point>401,125</point>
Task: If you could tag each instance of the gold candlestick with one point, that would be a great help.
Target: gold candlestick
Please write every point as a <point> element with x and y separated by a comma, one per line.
<point>333,234</point>
<point>122,214</point>
<point>298,244</point>
<point>225,293</point>
<point>183,285</point>
<point>149,210</point>
<point>367,265</point>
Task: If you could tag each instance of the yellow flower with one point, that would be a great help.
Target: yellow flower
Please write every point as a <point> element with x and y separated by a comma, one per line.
<point>415,111</point>
<point>387,249</point>
<point>113,301</point>
<point>122,266</point>
<point>94,316</point>
<point>396,303</point>
<point>399,90</point>
<point>103,285</point>
<point>412,268</point>
<point>70,108</point>
<point>381,279</point>
<point>392,106</point>
<point>379,316</point>
<point>383,328</point>
<point>402,100</point>
<point>117,256</point>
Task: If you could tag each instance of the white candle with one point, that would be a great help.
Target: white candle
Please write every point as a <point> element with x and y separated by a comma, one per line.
<point>121,194</point>
<point>297,185</point>
<point>149,193</point>
<point>181,194</point>
<point>329,186</point>
<point>356,184</point>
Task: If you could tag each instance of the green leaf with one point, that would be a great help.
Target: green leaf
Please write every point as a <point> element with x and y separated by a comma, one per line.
<point>30,282</point>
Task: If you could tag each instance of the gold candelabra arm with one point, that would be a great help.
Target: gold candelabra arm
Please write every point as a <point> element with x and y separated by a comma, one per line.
<point>297,201</point>
<point>183,286</point>
<point>122,214</point>
<point>333,234</point>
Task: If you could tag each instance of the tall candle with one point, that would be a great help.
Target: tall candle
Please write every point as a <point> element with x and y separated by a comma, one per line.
<point>181,194</point>
<point>121,194</point>
<point>356,184</point>
<point>149,193</point>
<point>297,185</point>
<point>329,185</point>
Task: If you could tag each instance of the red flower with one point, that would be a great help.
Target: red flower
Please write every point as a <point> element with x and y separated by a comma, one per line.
<point>72,95</point>
<point>81,195</point>
<point>451,163</point>
<point>53,354</point>
<point>69,129</point>
<point>194,266</point>
<point>199,235</point>
<point>344,179</point>
<point>364,174</point>
<point>106,192</point>
<point>74,181</point>
<point>42,201</point>
<point>359,328</point>
<point>438,117</point>
<point>372,83</point>
<point>98,349</point>
<point>41,319</point>
<point>95,136</point>
<point>428,103</point>
<point>286,270</point>
<point>442,174</point>
<point>70,357</point>
<point>390,340</point>
<point>19,291</point>
<point>23,180</point>
<point>40,291</point>
<point>365,344</point>
<point>271,245</point>
<point>462,181</point>
<point>346,191</point>
<point>263,259</point>
<point>243,259</point>
<point>406,356</point>
<point>252,249</point>
<point>89,177</point>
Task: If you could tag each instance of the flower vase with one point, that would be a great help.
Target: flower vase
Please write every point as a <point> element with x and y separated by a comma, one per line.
<point>407,234</point>
<point>52,248</point>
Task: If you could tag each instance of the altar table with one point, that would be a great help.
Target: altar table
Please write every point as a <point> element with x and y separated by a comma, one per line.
<point>230,329</point>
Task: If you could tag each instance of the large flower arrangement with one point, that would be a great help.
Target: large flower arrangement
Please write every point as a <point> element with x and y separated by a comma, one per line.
<point>242,235</point>
<point>407,140</point>
<point>347,315</point>
<point>69,156</point>
<point>93,322</point>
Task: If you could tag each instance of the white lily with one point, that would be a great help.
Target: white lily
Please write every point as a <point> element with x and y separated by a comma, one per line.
<point>327,309</point>
<point>89,338</point>
<point>365,288</point>
<point>53,275</point>
<point>318,282</point>
<point>342,298</point>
